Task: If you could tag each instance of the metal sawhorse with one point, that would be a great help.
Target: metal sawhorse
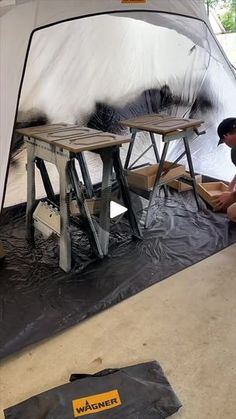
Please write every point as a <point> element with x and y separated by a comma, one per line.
<point>61,144</point>
<point>171,129</point>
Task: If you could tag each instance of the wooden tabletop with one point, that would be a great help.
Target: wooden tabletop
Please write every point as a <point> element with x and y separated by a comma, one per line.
<point>161,123</point>
<point>74,138</point>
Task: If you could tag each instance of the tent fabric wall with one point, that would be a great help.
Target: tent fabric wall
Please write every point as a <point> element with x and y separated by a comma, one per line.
<point>18,23</point>
<point>133,57</point>
<point>113,69</point>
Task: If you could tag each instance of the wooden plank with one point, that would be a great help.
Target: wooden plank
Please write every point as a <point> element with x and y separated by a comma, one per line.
<point>93,142</point>
<point>72,137</point>
<point>41,128</point>
<point>51,133</point>
<point>144,119</point>
<point>161,124</point>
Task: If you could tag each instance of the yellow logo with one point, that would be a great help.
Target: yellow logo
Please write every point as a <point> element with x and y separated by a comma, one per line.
<point>97,403</point>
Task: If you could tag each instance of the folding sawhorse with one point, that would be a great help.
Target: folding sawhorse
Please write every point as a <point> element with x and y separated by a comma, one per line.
<point>171,129</point>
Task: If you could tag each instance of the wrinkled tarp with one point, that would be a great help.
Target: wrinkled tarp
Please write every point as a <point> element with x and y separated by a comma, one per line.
<point>38,300</point>
<point>142,391</point>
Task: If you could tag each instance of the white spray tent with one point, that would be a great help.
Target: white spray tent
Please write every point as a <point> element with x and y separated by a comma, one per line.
<point>64,56</point>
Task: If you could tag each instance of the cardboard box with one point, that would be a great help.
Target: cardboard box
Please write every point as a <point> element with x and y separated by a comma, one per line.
<point>181,186</point>
<point>208,191</point>
<point>94,205</point>
<point>144,178</point>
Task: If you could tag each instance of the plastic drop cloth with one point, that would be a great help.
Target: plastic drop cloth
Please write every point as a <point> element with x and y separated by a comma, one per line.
<point>37,299</point>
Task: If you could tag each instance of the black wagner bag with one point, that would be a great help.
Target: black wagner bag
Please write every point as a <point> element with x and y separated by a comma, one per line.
<point>137,392</point>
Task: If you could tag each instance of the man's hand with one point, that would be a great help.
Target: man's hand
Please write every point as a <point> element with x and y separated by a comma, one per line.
<point>224,200</point>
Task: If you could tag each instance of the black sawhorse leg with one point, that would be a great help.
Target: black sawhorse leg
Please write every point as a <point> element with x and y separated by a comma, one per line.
<point>191,170</point>
<point>122,181</point>
<point>111,158</point>
<point>100,241</point>
<point>156,184</point>
<point>85,174</point>
<point>152,136</point>
<point>130,149</point>
<point>131,146</point>
<point>153,145</point>
<point>46,180</point>
<point>84,211</point>
<point>104,219</point>
<point>159,173</point>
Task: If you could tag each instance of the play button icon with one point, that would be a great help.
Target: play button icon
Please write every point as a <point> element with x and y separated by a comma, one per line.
<point>116,209</point>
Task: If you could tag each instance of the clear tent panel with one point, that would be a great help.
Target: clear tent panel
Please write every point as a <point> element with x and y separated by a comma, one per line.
<point>114,59</point>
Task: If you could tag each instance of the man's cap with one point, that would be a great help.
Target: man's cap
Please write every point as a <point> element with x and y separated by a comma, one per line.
<point>226,126</point>
<point>233,155</point>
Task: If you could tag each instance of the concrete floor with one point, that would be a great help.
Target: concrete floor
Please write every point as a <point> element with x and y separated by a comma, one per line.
<point>186,322</point>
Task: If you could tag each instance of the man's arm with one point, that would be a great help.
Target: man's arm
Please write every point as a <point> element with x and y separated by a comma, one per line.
<point>232,185</point>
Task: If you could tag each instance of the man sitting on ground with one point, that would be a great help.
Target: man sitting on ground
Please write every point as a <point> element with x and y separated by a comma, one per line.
<point>227,200</point>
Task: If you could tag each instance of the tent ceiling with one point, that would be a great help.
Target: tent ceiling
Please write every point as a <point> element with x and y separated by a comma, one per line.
<point>69,8</point>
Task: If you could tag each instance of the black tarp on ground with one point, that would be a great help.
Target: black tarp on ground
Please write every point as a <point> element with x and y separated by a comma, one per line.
<point>139,391</point>
<point>38,300</point>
